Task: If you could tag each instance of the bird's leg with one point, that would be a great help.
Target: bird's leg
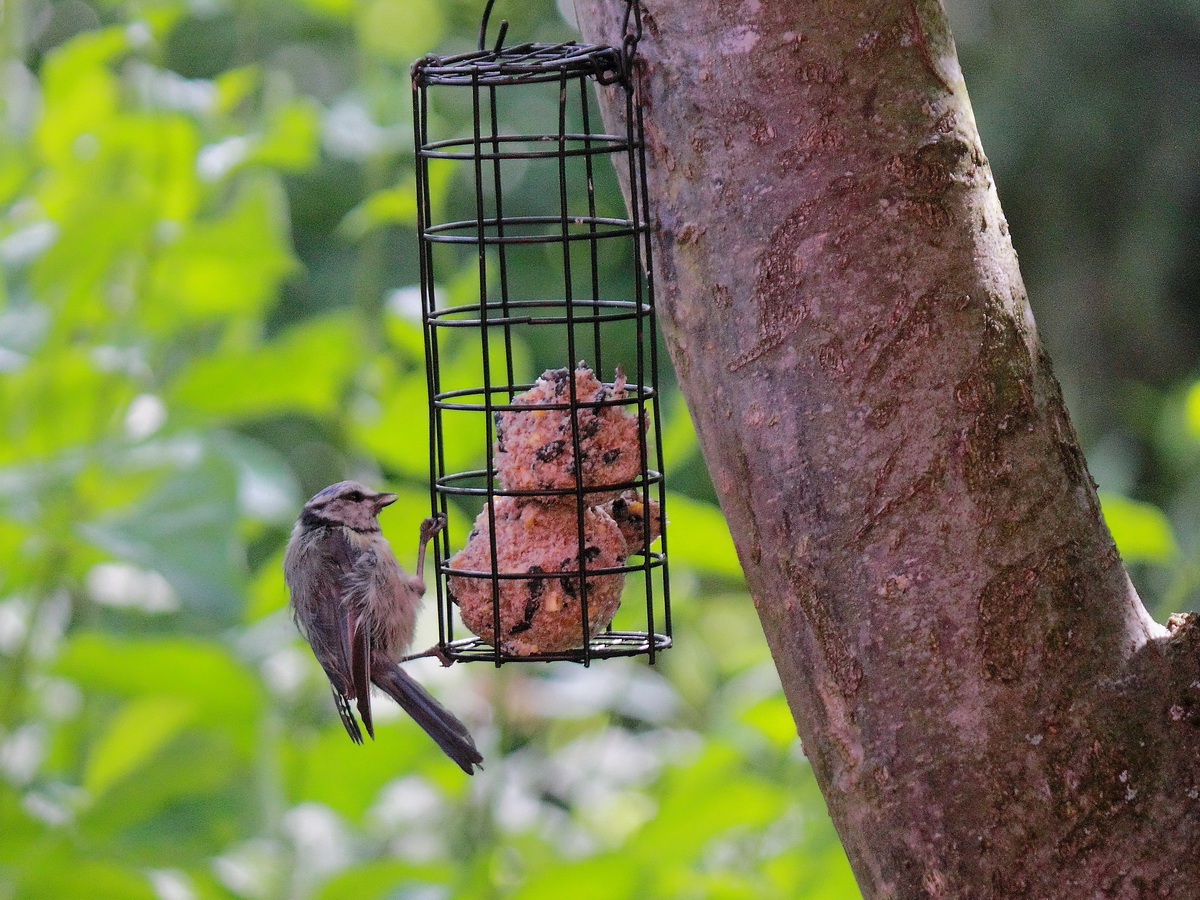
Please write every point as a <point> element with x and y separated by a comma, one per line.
<point>435,651</point>
<point>429,528</point>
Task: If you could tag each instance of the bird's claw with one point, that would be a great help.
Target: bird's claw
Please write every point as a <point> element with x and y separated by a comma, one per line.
<point>432,525</point>
<point>435,651</point>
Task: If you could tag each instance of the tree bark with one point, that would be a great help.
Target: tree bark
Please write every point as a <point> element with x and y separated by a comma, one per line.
<point>987,706</point>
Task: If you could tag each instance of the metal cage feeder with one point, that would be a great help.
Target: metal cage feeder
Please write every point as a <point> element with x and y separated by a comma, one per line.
<point>560,472</point>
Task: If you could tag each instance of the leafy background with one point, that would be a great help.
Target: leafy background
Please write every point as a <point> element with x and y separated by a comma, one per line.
<point>206,315</point>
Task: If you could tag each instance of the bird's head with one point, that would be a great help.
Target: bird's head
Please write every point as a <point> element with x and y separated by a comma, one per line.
<point>346,503</point>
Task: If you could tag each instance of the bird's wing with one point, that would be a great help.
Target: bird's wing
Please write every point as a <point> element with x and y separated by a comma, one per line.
<point>330,622</point>
<point>359,586</point>
<point>360,669</point>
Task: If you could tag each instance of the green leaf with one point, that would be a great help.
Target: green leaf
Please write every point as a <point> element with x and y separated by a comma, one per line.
<point>186,530</point>
<point>608,877</point>
<point>268,593</point>
<point>235,86</point>
<point>138,732</point>
<point>20,829</point>
<point>705,799</point>
<point>79,92</point>
<point>68,875</point>
<point>1141,530</point>
<point>814,868</point>
<point>230,266</point>
<point>304,369</point>
<point>699,537</point>
<point>217,690</point>
<point>396,432</point>
<point>347,777</point>
<point>194,789</point>
<point>394,205</point>
<point>773,718</point>
<point>289,142</point>
<point>376,21</point>
<point>334,9</point>
<point>384,878</point>
<point>1192,410</point>
<point>678,435</point>
<point>59,401</point>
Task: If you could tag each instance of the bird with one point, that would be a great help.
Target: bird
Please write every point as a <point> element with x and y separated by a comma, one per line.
<point>357,609</point>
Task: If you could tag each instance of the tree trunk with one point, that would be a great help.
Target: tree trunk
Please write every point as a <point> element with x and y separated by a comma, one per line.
<point>988,708</point>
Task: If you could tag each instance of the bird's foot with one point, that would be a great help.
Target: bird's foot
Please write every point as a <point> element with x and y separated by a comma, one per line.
<point>432,526</point>
<point>435,651</point>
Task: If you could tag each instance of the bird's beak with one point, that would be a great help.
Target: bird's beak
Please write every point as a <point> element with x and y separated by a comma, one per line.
<point>382,500</point>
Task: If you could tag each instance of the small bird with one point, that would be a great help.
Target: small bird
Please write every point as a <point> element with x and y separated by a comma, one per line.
<point>357,609</point>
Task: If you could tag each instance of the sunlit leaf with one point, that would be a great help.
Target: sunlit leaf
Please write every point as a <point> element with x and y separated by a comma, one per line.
<point>304,369</point>
<point>58,401</point>
<point>139,731</point>
<point>12,554</point>
<point>811,870</point>
<point>705,799</point>
<point>376,20</point>
<point>699,537</point>
<point>220,691</point>
<point>347,777</point>
<point>79,268</point>
<point>382,879</point>
<point>1192,410</point>
<point>14,169</point>
<point>64,876</point>
<point>235,86</point>
<point>397,431</point>
<point>108,163</point>
<point>19,828</point>
<point>231,265</point>
<point>199,777</point>
<point>205,883</point>
<point>289,141</point>
<point>772,717</point>
<point>268,592</point>
<point>608,877</point>
<point>79,91</point>
<point>385,207</point>
<point>335,9</point>
<point>146,160</point>
<point>1141,530</point>
<point>679,435</point>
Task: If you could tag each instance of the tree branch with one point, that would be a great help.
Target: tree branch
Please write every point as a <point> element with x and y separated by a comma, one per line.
<point>967,662</point>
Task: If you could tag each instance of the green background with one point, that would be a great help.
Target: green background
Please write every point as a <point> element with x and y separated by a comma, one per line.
<point>206,235</point>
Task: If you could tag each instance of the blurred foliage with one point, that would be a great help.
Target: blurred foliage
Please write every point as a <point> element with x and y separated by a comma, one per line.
<point>206,230</point>
<point>205,317</point>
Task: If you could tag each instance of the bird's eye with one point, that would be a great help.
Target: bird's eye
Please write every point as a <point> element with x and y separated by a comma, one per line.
<point>355,496</point>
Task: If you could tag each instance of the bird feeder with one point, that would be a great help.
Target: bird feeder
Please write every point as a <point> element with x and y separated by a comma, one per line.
<point>539,326</point>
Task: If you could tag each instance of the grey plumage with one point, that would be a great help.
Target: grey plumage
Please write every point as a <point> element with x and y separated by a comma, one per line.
<point>357,609</point>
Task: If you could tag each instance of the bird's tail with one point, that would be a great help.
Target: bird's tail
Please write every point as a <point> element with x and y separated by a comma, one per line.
<point>439,723</point>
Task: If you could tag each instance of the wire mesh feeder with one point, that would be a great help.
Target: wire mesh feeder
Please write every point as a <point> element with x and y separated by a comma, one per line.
<point>566,557</point>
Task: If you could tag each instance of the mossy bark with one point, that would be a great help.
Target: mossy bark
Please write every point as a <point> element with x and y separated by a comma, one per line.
<point>987,706</point>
